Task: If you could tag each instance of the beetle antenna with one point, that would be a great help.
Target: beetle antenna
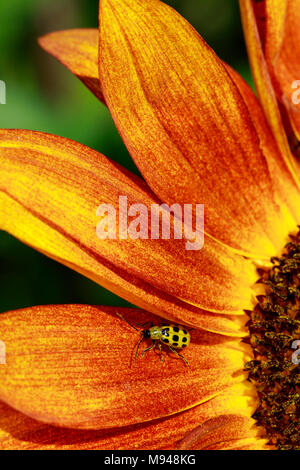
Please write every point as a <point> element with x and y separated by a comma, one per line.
<point>121,316</point>
<point>137,348</point>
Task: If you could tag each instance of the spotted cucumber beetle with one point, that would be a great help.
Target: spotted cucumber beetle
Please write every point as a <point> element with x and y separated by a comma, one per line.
<point>173,336</point>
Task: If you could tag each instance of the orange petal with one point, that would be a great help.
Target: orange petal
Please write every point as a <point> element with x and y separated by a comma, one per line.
<point>259,9</point>
<point>285,64</point>
<point>223,433</point>
<point>264,83</point>
<point>278,170</point>
<point>86,42</point>
<point>277,25</point>
<point>77,49</point>
<point>17,431</point>
<point>186,124</point>
<point>71,365</point>
<point>51,189</point>
<point>228,425</point>
<point>275,15</point>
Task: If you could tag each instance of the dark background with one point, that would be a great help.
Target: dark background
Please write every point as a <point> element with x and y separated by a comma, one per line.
<point>42,95</point>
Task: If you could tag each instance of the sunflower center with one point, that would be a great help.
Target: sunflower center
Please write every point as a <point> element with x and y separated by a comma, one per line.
<point>274,327</point>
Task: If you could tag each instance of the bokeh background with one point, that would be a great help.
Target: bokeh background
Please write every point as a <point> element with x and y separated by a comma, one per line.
<point>42,95</point>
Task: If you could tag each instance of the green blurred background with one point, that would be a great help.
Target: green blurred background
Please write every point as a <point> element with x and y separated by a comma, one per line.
<point>42,95</point>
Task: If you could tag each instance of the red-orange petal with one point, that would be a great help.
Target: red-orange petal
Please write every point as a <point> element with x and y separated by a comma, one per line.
<point>78,50</point>
<point>75,48</point>
<point>285,63</point>
<point>285,184</point>
<point>275,15</point>
<point>186,124</point>
<point>225,432</point>
<point>18,431</point>
<point>50,191</point>
<point>277,25</point>
<point>264,85</point>
<point>72,366</point>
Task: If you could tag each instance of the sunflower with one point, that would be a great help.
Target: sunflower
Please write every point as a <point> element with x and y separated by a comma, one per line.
<point>198,134</point>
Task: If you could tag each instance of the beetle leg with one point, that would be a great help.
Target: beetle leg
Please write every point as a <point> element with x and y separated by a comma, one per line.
<point>161,354</point>
<point>150,347</point>
<point>179,355</point>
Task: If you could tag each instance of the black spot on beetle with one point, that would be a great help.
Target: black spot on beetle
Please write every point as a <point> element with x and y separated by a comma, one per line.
<point>165,340</point>
<point>184,340</point>
<point>175,338</point>
<point>176,329</point>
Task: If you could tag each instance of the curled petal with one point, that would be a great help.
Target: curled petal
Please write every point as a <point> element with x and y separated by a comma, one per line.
<point>277,25</point>
<point>270,18</point>
<point>263,82</point>
<point>72,366</point>
<point>285,62</point>
<point>76,50</point>
<point>185,123</point>
<point>278,170</point>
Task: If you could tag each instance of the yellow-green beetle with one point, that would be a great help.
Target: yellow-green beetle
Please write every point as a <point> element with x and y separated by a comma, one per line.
<point>173,336</point>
